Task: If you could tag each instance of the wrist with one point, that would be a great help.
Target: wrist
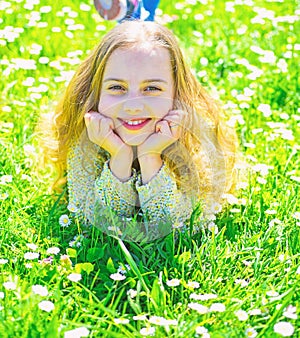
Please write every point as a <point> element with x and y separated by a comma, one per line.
<point>147,159</point>
<point>150,165</point>
<point>121,166</point>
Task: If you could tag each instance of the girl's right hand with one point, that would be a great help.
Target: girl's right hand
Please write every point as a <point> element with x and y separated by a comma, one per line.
<point>100,131</point>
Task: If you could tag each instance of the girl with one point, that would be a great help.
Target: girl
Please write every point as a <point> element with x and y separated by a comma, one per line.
<point>138,137</point>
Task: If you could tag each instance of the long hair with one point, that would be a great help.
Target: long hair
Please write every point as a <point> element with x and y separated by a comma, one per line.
<point>202,160</point>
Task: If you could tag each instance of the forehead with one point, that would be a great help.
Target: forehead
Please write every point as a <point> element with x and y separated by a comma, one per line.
<point>144,61</point>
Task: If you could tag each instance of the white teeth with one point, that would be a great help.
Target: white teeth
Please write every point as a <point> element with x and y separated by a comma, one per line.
<point>134,123</point>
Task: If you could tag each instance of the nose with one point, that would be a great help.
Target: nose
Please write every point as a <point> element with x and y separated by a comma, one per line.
<point>133,105</point>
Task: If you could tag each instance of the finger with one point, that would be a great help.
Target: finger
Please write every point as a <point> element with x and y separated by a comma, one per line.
<point>99,121</point>
<point>158,127</point>
<point>91,113</point>
<point>178,112</point>
<point>95,123</point>
<point>175,116</point>
<point>175,128</point>
<point>173,125</point>
<point>106,125</point>
<point>163,128</point>
<point>173,120</point>
<point>89,116</point>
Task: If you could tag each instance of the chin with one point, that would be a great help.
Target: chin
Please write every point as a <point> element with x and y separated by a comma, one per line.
<point>134,140</point>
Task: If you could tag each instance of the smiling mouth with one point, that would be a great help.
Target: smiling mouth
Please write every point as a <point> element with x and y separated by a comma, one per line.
<point>135,124</point>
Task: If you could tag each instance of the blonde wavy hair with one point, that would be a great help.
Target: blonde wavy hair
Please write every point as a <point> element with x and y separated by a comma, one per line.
<point>204,157</point>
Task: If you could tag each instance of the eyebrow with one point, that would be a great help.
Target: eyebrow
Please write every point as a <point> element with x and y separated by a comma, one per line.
<point>145,81</point>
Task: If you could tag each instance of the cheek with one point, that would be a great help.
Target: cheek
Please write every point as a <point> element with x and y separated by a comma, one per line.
<point>161,107</point>
<point>107,106</point>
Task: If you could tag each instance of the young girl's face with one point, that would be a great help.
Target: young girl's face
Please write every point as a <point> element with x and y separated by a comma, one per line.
<point>137,91</point>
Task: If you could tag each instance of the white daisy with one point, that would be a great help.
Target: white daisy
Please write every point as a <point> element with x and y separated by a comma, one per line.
<point>46,305</point>
<point>74,277</point>
<point>117,276</point>
<point>285,329</point>
<point>40,290</point>
<point>64,221</point>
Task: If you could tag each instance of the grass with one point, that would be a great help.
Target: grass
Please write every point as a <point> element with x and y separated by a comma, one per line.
<point>242,281</point>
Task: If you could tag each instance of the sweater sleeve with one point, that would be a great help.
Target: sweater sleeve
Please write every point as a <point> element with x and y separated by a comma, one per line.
<point>162,201</point>
<point>81,175</point>
<point>119,196</point>
<point>94,190</point>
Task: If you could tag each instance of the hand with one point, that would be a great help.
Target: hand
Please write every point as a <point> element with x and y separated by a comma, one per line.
<point>167,131</point>
<point>100,131</point>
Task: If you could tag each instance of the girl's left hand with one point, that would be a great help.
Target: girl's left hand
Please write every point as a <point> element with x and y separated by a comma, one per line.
<point>167,131</point>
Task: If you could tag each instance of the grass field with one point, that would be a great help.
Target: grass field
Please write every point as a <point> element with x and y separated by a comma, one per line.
<point>241,277</point>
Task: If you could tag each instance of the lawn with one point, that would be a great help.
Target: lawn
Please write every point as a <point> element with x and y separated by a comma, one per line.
<point>238,277</point>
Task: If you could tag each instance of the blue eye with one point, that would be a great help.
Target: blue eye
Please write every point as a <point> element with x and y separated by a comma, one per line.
<point>152,89</point>
<point>116,88</point>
